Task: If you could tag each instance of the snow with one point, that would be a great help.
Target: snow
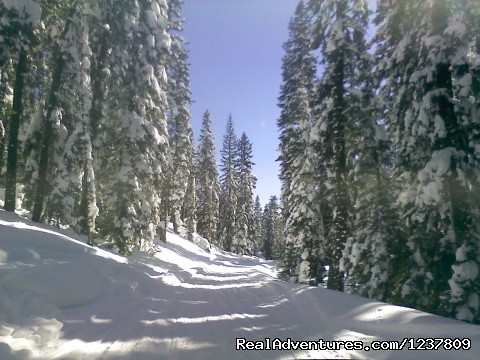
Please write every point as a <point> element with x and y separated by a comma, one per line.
<point>439,127</point>
<point>28,9</point>
<point>399,53</point>
<point>465,85</point>
<point>466,271</point>
<point>456,27</point>
<point>380,132</point>
<point>430,177</point>
<point>62,299</point>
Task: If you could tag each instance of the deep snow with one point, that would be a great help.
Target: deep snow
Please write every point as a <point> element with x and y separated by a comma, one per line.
<point>62,299</point>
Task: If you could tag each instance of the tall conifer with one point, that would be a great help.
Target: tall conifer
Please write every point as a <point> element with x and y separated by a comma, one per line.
<point>207,183</point>
<point>227,230</point>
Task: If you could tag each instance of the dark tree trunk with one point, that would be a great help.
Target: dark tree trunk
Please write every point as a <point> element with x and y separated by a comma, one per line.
<point>12,156</point>
<point>340,223</point>
<point>84,211</point>
<point>42,185</point>
<point>3,122</point>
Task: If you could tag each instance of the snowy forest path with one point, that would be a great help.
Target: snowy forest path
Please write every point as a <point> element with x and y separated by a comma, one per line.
<point>212,299</point>
<point>198,307</point>
<point>209,303</point>
<point>62,299</point>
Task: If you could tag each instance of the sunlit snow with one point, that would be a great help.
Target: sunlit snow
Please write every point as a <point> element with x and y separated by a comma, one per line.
<point>60,298</point>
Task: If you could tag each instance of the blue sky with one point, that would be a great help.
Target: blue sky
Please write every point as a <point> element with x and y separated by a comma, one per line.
<point>235,55</point>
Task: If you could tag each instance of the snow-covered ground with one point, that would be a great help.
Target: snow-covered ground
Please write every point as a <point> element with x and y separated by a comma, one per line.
<point>62,299</point>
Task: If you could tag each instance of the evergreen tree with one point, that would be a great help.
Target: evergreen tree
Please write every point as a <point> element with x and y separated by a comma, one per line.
<point>464,285</point>
<point>100,37</point>
<point>18,22</point>
<point>136,139</point>
<point>272,247</point>
<point>339,33</point>
<point>366,256</point>
<point>227,230</point>
<point>53,114</point>
<point>425,71</point>
<point>297,173</point>
<point>245,205</point>
<point>180,132</point>
<point>207,184</point>
<point>72,145</point>
<point>189,209</point>
<point>257,226</point>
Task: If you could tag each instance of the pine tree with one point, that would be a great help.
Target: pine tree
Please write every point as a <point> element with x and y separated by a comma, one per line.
<point>464,285</point>
<point>366,257</point>
<point>14,125</point>
<point>207,184</point>
<point>100,37</point>
<point>227,226</point>
<point>339,33</point>
<point>72,145</point>
<point>245,205</point>
<point>53,115</point>
<point>272,247</point>
<point>425,71</point>
<point>189,209</point>
<point>18,24</point>
<point>257,226</point>
<point>301,209</point>
<point>136,139</point>
<point>180,132</point>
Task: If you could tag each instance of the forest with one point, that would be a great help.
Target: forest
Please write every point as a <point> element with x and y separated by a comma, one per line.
<point>379,142</point>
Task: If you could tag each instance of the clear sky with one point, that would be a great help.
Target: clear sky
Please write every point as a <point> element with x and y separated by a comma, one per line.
<point>235,55</point>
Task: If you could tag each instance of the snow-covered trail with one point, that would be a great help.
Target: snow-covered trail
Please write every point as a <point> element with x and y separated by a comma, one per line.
<point>60,298</point>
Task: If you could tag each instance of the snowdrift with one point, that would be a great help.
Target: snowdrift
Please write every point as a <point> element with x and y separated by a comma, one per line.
<point>62,299</point>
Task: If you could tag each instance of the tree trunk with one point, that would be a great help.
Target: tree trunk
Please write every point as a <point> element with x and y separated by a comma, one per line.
<point>3,121</point>
<point>11,178</point>
<point>42,185</point>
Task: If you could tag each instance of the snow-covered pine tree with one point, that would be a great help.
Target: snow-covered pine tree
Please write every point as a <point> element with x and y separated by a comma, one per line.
<point>339,27</point>
<point>136,138</point>
<point>245,204</point>
<point>279,229</point>
<point>465,30</point>
<point>257,226</point>
<point>227,226</point>
<point>189,206</point>
<point>72,145</point>
<point>395,59</point>
<point>39,80</point>
<point>424,62</point>
<point>297,168</point>
<point>14,126</point>
<point>207,182</point>
<point>101,40</point>
<point>366,256</point>
<point>18,21</point>
<point>51,123</point>
<point>181,144</point>
<point>273,242</point>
